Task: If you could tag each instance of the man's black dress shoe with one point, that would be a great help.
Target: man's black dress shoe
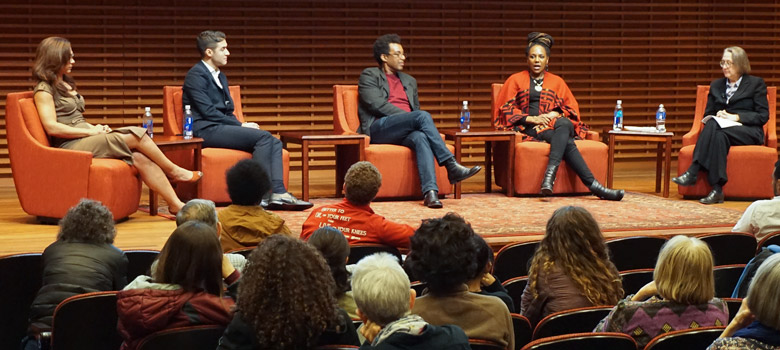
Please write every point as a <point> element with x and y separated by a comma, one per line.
<point>715,196</point>
<point>457,173</point>
<point>432,200</point>
<point>686,179</point>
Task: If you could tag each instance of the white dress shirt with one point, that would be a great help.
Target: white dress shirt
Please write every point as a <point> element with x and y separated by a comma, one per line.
<point>214,73</point>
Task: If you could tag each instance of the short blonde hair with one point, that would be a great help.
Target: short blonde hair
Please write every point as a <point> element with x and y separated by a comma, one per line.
<point>740,59</point>
<point>683,272</point>
<point>764,292</point>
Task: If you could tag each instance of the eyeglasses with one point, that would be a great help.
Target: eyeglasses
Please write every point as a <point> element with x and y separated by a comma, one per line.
<point>726,64</point>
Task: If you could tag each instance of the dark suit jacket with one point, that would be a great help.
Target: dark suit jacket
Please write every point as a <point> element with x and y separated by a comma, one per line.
<point>749,102</point>
<point>210,105</point>
<point>373,92</point>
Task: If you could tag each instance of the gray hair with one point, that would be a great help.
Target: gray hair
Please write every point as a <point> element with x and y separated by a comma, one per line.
<point>202,210</point>
<point>381,288</point>
<point>764,292</point>
<point>740,59</point>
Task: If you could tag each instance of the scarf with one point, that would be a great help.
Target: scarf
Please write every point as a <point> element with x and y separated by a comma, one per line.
<point>410,324</point>
<point>760,332</point>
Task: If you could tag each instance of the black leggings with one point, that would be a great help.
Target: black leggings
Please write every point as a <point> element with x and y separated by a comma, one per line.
<point>562,147</point>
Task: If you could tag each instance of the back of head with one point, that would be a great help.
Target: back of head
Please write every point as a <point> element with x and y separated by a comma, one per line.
<point>362,183</point>
<point>381,288</point>
<point>192,258</point>
<point>286,294</point>
<point>537,38</point>
<point>683,272</point>
<point>202,210</point>
<point>247,182</point>
<point>52,54</point>
<point>442,253</point>
<point>334,247</point>
<point>482,257</point>
<point>89,221</point>
<point>382,45</point>
<point>208,39</point>
<point>764,293</point>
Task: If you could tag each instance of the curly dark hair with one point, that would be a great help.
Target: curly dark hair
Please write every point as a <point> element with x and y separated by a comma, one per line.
<point>362,183</point>
<point>333,246</point>
<point>573,242</point>
<point>89,221</point>
<point>442,253</point>
<point>192,258</point>
<point>483,256</point>
<point>247,182</point>
<point>382,45</point>
<point>286,294</point>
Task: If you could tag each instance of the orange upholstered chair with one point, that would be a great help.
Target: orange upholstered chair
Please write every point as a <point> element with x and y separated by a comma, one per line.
<point>50,180</point>
<point>749,168</point>
<point>396,163</point>
<point>531,161</point>
<point>215,161</point>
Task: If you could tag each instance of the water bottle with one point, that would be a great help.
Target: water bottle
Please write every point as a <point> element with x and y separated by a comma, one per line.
<point>465,117</point>
<point>187,122</point>
<point>148,122</point>
<point>617,124</point>
<point>660,118</point>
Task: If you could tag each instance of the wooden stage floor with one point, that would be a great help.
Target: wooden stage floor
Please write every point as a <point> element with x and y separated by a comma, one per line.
<point>20,233</point>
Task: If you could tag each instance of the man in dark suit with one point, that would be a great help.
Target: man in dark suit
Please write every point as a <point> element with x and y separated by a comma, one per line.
<point>206,91</point>
<point>390,112</point>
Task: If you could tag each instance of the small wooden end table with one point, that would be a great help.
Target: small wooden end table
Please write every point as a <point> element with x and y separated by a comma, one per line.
<point>663,157</point>
<point>349,150</point>
<point>175,143</point>
<point>506,138</point>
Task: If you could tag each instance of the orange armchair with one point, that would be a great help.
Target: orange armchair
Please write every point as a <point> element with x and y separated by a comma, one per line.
<point>214,161</point>
<point>531,161</point>
<point>748,167</point>
<point>396,163</point>
<point>50,180</point>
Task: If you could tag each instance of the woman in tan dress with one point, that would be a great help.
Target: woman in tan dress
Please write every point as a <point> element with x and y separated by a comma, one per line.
<point>61,108</point>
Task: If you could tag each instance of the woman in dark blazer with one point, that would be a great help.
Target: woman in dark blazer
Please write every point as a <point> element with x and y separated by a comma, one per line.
<point>739,97</point>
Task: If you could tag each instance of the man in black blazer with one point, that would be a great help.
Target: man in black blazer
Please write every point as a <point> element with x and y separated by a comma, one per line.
<point>739,97</point>
<point>206,91</point>
<point>389,112</point>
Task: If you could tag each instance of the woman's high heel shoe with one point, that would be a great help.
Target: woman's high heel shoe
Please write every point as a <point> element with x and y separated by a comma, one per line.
<point>196,175</point>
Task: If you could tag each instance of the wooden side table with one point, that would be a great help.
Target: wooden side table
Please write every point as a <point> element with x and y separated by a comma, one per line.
<point>174,143</point>
<point>663,156</point>
<point>349,150</point>
<point>489,136</point>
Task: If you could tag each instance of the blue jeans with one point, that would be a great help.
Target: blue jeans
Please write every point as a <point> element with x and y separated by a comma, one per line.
<point>414,130</point>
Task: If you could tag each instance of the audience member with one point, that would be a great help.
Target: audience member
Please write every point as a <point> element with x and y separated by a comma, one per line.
<point>384,300</point>
<point>286,301</point>
<point>185,289</point>
<point>334,248</point>
<point>442,255</point>
<point>570,268</point>
<point>757,324</point>
<point>245,223</point>
<point>354,216</point>
<point>483,282</point>
<point>762,217</point>
<point>83,259</point>
<point>681,295</point>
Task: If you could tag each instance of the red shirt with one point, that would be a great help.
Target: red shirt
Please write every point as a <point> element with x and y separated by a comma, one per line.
<point>359,225</point>
<point>397,93</point>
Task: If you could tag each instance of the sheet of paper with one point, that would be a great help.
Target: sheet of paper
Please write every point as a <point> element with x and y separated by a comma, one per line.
<point>723,122</point>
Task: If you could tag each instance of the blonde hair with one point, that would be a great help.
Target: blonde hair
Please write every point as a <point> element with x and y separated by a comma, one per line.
<point>683,272</point>
<point>739,58</point>
<point>764,292</point>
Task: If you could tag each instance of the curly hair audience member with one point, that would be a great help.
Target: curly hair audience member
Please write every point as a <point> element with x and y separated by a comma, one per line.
<point>286,301</point>
<point>83,259</point>
<point>442,255</point>
<point>245,223</point>
<point>334,248</point>
<point>382,293</point>
<point>570,268</point>
<point>757,324</point>
<point>185,289</point>
<point>681,295</point>
<point>355,218</point>
<point>483,282</point>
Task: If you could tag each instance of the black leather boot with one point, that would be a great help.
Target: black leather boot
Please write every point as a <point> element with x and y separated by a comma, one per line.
<point>457,173</point>
<point>549,179</point>
<point>606,193</point>
<point>432,200</point>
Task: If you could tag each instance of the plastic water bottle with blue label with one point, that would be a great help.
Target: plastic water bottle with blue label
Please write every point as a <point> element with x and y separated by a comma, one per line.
<point>617,123</point>
<point>148,122</point>
<point>187,122</point>
<point>465,117</point>
<point>660,118</point>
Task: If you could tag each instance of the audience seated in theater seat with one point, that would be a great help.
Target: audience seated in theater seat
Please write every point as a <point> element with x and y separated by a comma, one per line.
<point>185,289</point>
<point>286,301</point>
<point>681,295</point>
<point>762,217</point>
<point>335,249</point>
<point>443,256</point>
<point>245,223</point>
<point>571,267</point>
<point>483,282</point>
